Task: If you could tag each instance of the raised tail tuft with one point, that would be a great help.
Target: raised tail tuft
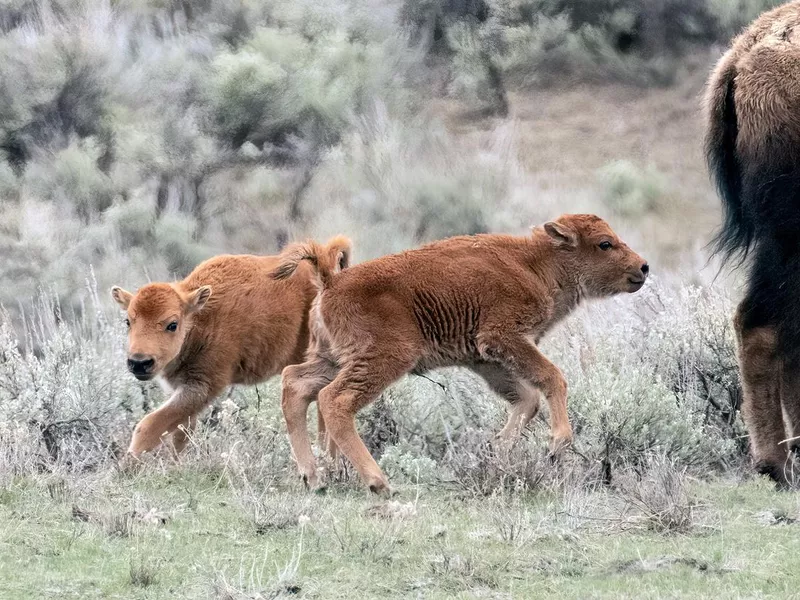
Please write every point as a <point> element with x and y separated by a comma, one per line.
<point>327,260</point>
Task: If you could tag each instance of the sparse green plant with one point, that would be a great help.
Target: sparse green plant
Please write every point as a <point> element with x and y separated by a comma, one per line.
<point>403,463</point>
<point>484,468</point>
<point>143,573</point>
<point>631,191</point>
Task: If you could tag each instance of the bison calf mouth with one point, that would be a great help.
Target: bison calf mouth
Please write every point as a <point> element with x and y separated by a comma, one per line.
<point>636,283</point>
<point>141,367</point>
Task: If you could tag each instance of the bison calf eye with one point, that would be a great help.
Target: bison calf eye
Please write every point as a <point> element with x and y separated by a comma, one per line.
<point>128,323</point>
<point>172,326</point>
<point>605,246</point>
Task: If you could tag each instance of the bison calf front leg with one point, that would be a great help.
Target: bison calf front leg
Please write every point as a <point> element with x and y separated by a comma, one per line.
<point>524,360</point>
<point>180,409</point>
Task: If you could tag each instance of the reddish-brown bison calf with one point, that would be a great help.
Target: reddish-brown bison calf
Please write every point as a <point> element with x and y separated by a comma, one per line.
<point>482,302</point>
<point>228,322</point>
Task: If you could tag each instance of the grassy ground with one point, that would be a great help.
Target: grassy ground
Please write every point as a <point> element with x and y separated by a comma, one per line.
<point>185,533</point>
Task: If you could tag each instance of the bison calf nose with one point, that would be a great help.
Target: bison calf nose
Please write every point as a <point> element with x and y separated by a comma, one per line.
<point>139,364</point>
<point>645,269</point>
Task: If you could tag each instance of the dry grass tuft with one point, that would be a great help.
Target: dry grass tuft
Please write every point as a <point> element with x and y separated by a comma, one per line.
<point>659,498</point>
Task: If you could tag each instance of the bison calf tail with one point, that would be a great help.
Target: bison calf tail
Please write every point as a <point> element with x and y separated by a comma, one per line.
<point>327,260</point>
<point>736,234</point>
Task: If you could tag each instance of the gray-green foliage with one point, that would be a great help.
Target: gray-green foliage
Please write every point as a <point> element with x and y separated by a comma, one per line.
<point>127,130</point>
<point>69,402</point>
<point>663,379</point>
<point>140,137</point>
<point>630,190</point>
<point>533,42</point>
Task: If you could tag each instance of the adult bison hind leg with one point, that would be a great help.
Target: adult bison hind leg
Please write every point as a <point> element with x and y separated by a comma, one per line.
<point>790,401</point>
<point>762,373</point>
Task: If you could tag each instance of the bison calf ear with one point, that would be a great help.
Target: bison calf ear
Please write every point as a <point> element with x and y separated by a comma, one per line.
<point>199,297</point>
<point>562,234</point>
<point>121,297</point>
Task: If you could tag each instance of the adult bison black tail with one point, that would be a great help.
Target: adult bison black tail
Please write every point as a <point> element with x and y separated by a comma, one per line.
<point>753,149</point>
<point>736,234</point>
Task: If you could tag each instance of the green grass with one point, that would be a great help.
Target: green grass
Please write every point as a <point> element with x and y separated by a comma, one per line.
<point>189,534</point>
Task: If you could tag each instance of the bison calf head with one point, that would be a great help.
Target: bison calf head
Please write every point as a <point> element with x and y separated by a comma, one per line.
<point>158,317</point>
<point>603,264</point>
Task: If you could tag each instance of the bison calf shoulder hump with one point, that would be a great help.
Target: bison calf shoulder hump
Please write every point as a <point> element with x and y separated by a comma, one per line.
<point>228,322</point>
<point>476,301</point>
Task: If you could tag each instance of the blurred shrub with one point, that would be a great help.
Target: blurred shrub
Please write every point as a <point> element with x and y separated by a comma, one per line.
<point>490,43</point>
<point>732,15</point>
<point>9,183</point>
<point>140,137</point>
<point>174,238</point>
<point>248,89</point>
<point>119,127</point>
<point>629,190</point>
<point>402,177</point>
<point>71,181</point>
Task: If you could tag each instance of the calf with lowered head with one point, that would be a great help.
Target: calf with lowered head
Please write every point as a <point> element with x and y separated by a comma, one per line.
<point>481,301</point>
<point>229,322</point>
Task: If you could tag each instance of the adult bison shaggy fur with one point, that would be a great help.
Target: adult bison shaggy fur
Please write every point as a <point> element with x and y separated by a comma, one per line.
<point>481,301</point>
<point>229,322</point>
<point>753,148</point>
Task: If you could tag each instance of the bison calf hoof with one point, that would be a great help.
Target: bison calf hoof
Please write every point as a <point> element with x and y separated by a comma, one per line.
<point>558,445</point>
<point>310,480</point>
<point>381,488</point>
<point>129,464</point>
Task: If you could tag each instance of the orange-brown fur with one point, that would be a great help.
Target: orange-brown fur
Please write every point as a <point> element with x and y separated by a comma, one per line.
<point>478,301</point>
<point>753,148</point>
<point>233,324</point>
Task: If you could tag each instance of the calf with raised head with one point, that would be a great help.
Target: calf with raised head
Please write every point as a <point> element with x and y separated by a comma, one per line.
<point>229,322</point>
<point>482,302</point>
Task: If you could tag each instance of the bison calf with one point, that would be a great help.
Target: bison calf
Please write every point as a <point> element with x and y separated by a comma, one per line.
<point>482,302</point>
<point>228,322</point>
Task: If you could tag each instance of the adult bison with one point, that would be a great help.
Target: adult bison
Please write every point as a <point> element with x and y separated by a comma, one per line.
<point>481,301</point>
<point>753,149</point>
<point>228,322</point>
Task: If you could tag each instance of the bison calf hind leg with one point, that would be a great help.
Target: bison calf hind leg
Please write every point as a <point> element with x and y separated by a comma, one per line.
<point>300,386</point>
<point>356,386</point>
